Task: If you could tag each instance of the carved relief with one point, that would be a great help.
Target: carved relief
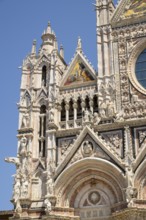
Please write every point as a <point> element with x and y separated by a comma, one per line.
<point>142,189</point>
<point>23,172</point>
<point>89,148</point>
<point>63,145</point>
<point>115,140</point>
<point>134,111</point>
<point>140,139</point>
<point>107,110</point>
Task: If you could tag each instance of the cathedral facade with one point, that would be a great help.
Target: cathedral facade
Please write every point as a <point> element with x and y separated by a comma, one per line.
<point>82,134</point>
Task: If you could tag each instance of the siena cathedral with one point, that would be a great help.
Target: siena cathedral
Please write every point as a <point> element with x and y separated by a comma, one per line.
<point>82,134</point>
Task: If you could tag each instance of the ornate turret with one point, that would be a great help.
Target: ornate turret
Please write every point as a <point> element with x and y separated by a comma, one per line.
<point>49,39</point>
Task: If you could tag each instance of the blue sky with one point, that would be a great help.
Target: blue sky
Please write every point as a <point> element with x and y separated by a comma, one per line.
<point>20,23</point>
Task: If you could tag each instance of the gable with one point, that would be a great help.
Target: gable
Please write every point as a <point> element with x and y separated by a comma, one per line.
<point>129,12</point>
<point>89,148</point>
<point>78,75</point>
<point>42,94</point>
<point>99,149</point>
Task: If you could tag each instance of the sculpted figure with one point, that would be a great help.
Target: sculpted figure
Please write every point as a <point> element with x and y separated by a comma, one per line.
<point>23,153</point>
<point>87,148</point>
<point>110,109</point>
<point>47,205</point>
<point>16,196</point>
<point>79,45</point>
<point>119,116</point>
<point>86,116</point>
<point>16,190</point>
<point>14,160</point>
<point>18,209</point>
<point>130,176</point>
<point>116,141</point>
<point>126,114</point>
<point>23,146</point>
<point>51,115</point>
<point>140,112</point>
<point>64,145</point>
<point>24,188</point>
<point>25,120</point>
<point>133,113</point>
<point>96,118</point>
<point>50,186</point>
<point>102,110</point>
<point>131,194</point>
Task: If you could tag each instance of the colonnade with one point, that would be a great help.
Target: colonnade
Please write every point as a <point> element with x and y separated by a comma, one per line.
<point>73,109</point>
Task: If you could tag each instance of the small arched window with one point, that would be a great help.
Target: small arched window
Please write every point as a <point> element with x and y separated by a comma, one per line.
<point>79,108</point>
<point>140,69</point>
<point>95,104</point>
<point>63,111</point>
<point>87,103</point>
<point>44,75</point>
<point>71,110</point>
<point>43,109</point>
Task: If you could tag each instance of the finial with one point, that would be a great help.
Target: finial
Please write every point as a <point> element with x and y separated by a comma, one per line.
<point>79,44</point>
<point>33,50</point>
<point>49,31</point>
<point>61,51</point>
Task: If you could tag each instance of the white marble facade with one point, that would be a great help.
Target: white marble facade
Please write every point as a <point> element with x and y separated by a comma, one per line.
<point>82,134</point>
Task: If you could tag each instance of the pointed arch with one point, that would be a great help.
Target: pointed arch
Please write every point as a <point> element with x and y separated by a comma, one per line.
<point>79,108</point>
<point>26,99</point>
<point>71,110</point>
<point>63,111</point>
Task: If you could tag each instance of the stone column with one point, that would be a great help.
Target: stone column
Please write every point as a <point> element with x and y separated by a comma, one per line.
<point>100,52</point>
<point>35,125</point>
<point>59,113</point>
<point>128,146</point>
<point>67,114</point>
<point>91,104</point>
<point>83,105</point>
<point>75,112</point>
<point>51,146</point>
<point>106,51</point>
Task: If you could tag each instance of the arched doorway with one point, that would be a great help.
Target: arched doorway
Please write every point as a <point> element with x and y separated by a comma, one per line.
<point>93,187</point>
<point>94,198</point>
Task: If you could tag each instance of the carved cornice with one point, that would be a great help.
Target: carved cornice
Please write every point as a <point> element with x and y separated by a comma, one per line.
<point>104,127</point>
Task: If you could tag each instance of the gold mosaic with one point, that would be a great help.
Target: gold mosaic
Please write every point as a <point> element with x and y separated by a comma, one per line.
<point>79,74</point>
<point>136,8</point>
